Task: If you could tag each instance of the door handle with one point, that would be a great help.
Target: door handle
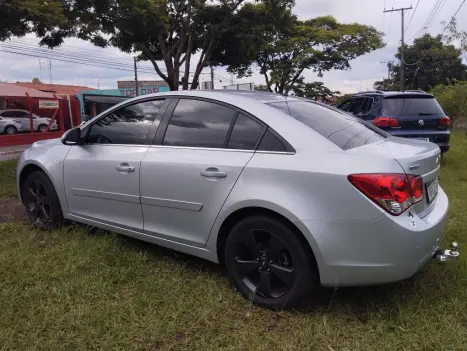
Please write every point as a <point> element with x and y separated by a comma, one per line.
<point>125,167</point>
<point>213,173</point>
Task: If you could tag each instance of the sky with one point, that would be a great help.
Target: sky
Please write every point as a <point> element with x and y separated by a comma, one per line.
<point>364,70</point>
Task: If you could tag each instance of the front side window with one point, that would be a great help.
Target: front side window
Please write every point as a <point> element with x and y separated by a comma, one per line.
<point>197,123</point>
<point>127,125</point>
<point>15,114</point>
<point>245,133</point>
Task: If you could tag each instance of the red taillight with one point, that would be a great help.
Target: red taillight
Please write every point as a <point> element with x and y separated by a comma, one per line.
<point>386,122</point>
<point>393,192</point>
<point>445,122</point>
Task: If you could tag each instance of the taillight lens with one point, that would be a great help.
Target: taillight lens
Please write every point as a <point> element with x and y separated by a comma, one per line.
<point>445,122</point>
<point>393,192</point>
<point>386,122</point>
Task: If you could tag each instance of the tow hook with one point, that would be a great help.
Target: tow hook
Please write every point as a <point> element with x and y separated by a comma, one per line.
<point>446,255</point>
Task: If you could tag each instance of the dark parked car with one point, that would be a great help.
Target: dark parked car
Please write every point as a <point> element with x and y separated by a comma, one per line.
<point>408,114</point>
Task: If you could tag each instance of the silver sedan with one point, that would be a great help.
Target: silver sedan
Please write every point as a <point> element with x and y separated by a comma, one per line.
<point>288,193</point>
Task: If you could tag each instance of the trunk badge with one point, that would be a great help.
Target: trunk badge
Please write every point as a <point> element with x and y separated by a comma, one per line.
<point>421,123</point>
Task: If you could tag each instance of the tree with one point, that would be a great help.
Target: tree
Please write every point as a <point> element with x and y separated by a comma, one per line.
<point>270,37</point>
<point>314,91</point>
<point>429,62</point>
<point>456,35</point>
<point>171,31</point>
<point>20,17</point>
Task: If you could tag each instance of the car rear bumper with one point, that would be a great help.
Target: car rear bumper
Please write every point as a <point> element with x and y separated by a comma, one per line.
<point>441,138</point>
<point>386,250</point>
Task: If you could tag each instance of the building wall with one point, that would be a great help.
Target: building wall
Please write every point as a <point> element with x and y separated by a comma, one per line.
<point>130,92</point>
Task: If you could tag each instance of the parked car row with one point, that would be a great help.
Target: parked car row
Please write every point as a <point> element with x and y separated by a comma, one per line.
<point>14,121</point>
<point>410,114</point>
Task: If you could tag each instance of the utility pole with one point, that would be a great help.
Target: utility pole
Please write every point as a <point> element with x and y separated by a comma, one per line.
<point>136,77</point>
<point>402,10</point>
<point>212,77</point>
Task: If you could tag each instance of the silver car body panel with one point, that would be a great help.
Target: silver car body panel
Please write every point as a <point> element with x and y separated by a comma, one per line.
<point>168,201</point>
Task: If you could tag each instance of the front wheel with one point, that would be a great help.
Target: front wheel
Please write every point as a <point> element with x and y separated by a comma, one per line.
<point>268,263</point>
<point>10,130</point>
<point>41,201</point>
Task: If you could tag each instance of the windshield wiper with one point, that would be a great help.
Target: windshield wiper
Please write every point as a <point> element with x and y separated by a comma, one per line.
<point>426,114</point>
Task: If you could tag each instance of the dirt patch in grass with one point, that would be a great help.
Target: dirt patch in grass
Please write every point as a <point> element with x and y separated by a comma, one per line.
<point>12,210</point>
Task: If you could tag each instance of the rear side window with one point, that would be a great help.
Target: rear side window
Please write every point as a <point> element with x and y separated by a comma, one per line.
<point>345,131</point>
<point>271,143</point>
<point>410,106</point>
<point>245,134</point>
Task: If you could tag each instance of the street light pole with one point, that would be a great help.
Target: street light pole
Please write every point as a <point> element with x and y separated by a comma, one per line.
<point>136,76</point>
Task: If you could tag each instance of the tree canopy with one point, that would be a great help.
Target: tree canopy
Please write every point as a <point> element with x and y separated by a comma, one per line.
<point>20,17</point>
<point>270,37</point>
<point>314,91</point>
<point>429,62</point>
<point>190,35</point>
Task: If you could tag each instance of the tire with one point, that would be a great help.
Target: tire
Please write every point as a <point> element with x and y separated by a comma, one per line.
<point>10,130</point>
<point>269,264</point>
<point>42,128</point>
<point>41,201</point>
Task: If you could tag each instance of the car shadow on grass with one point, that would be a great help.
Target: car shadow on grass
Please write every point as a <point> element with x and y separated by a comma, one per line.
<point>358,303</point>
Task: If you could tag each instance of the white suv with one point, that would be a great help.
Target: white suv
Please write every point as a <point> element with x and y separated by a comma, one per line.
<point>39,123</point>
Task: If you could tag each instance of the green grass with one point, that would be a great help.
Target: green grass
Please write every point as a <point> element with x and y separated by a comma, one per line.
<point>74,289</point>
<point>8,179</point>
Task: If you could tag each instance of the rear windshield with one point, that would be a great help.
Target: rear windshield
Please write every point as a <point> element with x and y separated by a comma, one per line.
<point>342,129</point>
<point>410,106</point>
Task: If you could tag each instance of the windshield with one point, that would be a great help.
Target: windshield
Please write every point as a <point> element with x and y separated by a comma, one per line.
<point>410,106</point>
<point>344,130</point>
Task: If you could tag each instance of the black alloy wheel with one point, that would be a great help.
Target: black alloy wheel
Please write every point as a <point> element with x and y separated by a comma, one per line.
<point>42,128</point>
<point>268,263</point>
<point>41,201</point>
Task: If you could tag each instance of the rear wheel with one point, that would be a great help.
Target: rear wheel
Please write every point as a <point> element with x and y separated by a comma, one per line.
<point>10,130</point>
<point>41,201</point>
<point>268,263</point>
<point>42,128</point>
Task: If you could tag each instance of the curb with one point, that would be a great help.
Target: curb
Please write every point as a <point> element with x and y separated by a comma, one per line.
<point>11,152</point>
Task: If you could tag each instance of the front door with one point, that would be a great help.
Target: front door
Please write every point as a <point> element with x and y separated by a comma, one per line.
<point>186,180</point>
<point>102,175</point>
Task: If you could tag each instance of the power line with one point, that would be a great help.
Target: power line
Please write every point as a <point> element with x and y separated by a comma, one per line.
<point>390,20</point>
<point>440,7</point>
<point>445,28</point>
<point>413,13</point>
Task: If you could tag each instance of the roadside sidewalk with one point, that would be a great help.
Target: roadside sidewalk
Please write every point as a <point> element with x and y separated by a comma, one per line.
<point>9,152</point>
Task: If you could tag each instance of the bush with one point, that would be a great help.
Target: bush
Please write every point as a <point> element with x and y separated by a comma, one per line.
<point>453,100</point>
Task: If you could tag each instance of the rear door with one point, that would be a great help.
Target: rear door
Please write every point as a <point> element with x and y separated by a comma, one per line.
<point>414,112</point>
<point>201,149</point>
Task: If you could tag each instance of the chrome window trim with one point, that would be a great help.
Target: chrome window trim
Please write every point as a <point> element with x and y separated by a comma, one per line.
<point>200,148</point>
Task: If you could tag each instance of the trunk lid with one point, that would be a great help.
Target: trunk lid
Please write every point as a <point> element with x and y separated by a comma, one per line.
<point>415,158</point>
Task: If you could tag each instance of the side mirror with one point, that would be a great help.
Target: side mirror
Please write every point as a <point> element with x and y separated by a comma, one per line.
<point>72,136</point>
